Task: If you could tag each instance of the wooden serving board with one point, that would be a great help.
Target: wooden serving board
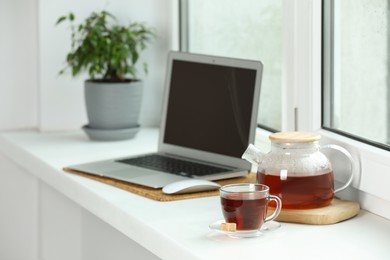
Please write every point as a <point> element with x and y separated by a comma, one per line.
<point>337,211</point>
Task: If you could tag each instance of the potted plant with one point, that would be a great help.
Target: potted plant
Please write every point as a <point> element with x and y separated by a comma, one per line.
<point>109,53</point>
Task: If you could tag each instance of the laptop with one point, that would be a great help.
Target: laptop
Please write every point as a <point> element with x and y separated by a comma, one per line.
<point>209,117</point>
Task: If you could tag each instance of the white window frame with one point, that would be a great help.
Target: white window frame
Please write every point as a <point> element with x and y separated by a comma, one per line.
<point>302,91</point>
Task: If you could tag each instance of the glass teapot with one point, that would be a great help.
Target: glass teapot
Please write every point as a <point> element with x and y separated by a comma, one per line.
<point>296,171</point>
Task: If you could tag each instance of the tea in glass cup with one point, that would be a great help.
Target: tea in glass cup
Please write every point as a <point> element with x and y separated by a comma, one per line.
<point>246,204</point>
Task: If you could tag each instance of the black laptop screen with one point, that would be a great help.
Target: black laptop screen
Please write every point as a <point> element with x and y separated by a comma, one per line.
<point>210,107</point>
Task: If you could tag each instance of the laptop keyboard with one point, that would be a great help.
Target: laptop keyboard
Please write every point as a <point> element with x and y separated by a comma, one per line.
<point>172,165</point>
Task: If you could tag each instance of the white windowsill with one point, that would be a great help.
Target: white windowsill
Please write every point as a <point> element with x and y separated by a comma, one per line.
<point>183,231</point>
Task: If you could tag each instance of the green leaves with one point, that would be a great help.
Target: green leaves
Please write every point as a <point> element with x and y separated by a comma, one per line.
<point>104,49</point>
<point>70,17</point>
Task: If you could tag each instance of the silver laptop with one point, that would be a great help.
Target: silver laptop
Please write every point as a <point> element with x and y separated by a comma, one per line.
<point>209,118</point>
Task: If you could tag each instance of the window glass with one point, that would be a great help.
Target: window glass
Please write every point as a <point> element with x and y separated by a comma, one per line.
<point>357,64</point>
<point>248,29</point>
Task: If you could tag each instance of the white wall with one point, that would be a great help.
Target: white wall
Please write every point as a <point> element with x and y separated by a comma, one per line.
<point>18,64</point>
<point>34,95</point>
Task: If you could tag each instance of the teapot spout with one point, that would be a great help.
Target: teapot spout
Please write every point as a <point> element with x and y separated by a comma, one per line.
<point>252,154</point>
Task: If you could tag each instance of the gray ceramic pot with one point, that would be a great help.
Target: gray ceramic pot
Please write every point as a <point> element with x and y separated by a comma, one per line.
<point>112,106</point>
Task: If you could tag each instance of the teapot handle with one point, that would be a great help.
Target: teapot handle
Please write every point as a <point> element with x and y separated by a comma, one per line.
<point>349,156</point>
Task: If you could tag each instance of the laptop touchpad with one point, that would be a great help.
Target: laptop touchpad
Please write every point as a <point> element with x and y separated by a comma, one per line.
<point>128,174</point>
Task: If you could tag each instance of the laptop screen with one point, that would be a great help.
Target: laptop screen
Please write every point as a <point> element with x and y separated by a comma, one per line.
<point>210,107</point>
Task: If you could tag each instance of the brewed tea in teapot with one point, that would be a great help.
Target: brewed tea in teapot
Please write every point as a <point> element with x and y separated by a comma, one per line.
<point>296,170</point>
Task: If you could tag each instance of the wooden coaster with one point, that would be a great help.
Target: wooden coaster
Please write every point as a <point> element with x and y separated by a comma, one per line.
<point>337,211</point>
<point>157,194</point>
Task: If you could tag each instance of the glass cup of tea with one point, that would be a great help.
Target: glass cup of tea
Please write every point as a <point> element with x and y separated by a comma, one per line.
<point>246,205</point>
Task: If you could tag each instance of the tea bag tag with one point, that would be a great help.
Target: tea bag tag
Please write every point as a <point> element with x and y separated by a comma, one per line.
<point>283,174</point>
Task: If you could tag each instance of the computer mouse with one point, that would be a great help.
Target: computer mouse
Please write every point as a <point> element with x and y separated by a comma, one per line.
<point>189,186</point>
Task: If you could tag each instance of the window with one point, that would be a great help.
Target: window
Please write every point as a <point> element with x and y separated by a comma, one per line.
<point>357,66</point>
<point>248,29</point>
<point>298,68</point>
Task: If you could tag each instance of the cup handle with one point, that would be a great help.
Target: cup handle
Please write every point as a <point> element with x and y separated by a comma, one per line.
<point>275,214</point>
<point>349,156</point>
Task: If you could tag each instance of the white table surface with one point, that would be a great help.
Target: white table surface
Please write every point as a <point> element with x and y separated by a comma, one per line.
<point>179,229</point>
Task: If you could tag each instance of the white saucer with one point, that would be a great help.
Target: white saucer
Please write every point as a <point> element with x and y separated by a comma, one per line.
<point>110,134</point>
<point>267,227</point>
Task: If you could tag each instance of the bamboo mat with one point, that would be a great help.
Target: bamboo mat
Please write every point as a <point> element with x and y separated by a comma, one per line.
<point>157,194</point>
<point>337,211</point>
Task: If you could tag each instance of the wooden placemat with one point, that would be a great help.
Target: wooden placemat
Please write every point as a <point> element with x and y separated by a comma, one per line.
<point>157,194</point>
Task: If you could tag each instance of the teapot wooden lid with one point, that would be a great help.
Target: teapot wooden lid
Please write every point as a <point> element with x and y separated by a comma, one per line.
<point>294,137</point>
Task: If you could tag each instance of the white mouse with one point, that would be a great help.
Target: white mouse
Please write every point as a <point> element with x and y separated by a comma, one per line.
<point>190,185</point>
